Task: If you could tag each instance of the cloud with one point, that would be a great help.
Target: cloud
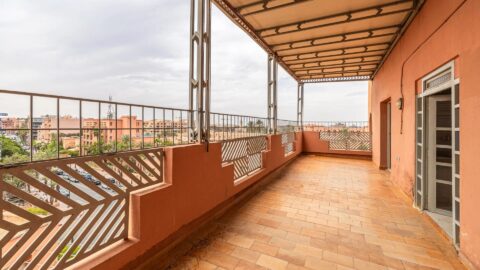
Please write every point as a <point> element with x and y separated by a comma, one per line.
<point>138,51</point>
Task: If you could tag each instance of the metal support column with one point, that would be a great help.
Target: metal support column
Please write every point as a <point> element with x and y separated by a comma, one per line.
<point>300,106</point>
<point>272,94</point>
<point>199,81</point>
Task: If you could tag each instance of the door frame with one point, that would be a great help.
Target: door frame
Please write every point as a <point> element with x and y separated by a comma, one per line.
<point>385,134</point>
<point>431,84</point>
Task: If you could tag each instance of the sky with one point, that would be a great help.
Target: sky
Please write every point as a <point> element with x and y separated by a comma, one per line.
<point>138,51</point>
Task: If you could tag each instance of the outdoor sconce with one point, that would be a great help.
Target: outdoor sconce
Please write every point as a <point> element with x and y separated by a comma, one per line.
<point>400,103</point>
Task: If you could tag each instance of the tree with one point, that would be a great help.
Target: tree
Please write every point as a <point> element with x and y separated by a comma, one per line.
<point>47,150</point>
<point>10,147</point>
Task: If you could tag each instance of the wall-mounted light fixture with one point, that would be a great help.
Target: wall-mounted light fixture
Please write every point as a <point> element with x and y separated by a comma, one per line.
<point>400,103</point>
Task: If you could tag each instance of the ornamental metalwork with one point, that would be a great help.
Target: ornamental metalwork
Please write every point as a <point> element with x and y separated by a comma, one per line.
<point>245,154</point>
<point>55,213</point>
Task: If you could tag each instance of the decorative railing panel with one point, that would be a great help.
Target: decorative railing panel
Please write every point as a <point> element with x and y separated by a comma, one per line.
<point>245,154</point>
<point>288,140</point>
<point>55,213</point>
<point>347,140</point>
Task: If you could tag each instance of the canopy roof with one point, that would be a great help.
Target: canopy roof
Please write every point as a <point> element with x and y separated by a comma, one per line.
<point>324,40</point>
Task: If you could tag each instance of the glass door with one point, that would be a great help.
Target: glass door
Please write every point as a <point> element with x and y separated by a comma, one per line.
<point>440,155</point>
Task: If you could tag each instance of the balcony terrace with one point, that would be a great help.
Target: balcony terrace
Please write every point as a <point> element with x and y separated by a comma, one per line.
<point>97,184</point>
<point>320,213</point>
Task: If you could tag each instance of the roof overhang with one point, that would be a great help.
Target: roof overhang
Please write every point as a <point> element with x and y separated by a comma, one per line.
<point>324,40</point>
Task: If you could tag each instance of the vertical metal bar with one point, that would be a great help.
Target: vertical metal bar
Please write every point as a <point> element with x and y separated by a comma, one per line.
<point>192,81</point>
<point>31,128</point>
<point>81,129</point>
<point>130,127</point>
<point>300,95</point>
<point>208,77</point>
<point>143,128</point>
<point>173,127</point>
<point>154,127</point>
<point>58,128</point>
<point>99,140</point>
<point>164,129</point>
<point>116,128</point>
<point>272,94</point>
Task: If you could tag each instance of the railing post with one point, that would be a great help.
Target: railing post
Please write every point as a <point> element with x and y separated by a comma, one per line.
<point>199,82</point>
<point>300,106</point>
<point>272,94</point>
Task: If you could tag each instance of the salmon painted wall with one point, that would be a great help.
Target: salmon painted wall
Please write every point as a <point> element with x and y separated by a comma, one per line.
<point>458,39</point>
<point>195,183</point>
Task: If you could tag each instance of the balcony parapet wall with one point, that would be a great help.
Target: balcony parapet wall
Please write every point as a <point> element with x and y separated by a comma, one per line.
<point>313,144</point>
<point>196,182</point>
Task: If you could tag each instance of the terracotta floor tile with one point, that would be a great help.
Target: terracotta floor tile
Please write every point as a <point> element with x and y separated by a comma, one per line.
<point>319,264</point>
<point>245,254</point>
<point>273,263</point>
<point>264,248</point>
<point>324,213</point>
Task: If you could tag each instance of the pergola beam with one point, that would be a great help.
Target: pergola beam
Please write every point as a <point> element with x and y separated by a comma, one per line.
<point>334,57</point>
<point>346,17</point>
<point>317,63</point>
<point>337,79</point>
<point>342,51</point>
<point>340,73</point>
<point>263,6</point>
<point>359,64</point>
<point>341,38</point>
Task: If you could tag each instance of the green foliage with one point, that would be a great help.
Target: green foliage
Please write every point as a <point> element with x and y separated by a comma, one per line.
<point>70,153</point>
<point>37,211</point>
<point>14,181</point>
<point>10,147</point>
<point>65,249</point>
<point>161,142</point>
<point>46,150</point>
<point>15,158</point>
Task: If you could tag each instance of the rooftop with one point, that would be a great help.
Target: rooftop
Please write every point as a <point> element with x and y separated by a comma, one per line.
<point>323,213</point>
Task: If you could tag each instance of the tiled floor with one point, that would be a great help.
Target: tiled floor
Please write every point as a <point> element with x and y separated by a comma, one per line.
<point>324,213</point>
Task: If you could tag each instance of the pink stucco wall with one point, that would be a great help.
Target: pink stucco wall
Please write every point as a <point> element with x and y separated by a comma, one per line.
<point>457,39</point>
<point>195,183</point>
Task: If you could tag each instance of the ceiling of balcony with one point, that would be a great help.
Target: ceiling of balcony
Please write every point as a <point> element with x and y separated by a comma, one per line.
<point>324,40</point>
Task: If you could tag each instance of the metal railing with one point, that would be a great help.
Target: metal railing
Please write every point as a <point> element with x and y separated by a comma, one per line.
<point>288,140</point>
<point>286,126</point>
<point>44,127</point>
<point>245,154</point>
<point>55,213</point>
<point>37,127</point>
<point>229,126</point>
<point>351,136</point>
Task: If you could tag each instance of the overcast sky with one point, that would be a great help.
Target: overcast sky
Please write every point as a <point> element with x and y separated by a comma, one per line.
<point>137,51</point>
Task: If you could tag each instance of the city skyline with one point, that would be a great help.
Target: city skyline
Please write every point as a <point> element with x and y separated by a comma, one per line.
<point>129,54</point>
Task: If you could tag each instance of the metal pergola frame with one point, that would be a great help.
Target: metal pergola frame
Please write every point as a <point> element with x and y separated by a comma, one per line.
<point>304,59</point>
